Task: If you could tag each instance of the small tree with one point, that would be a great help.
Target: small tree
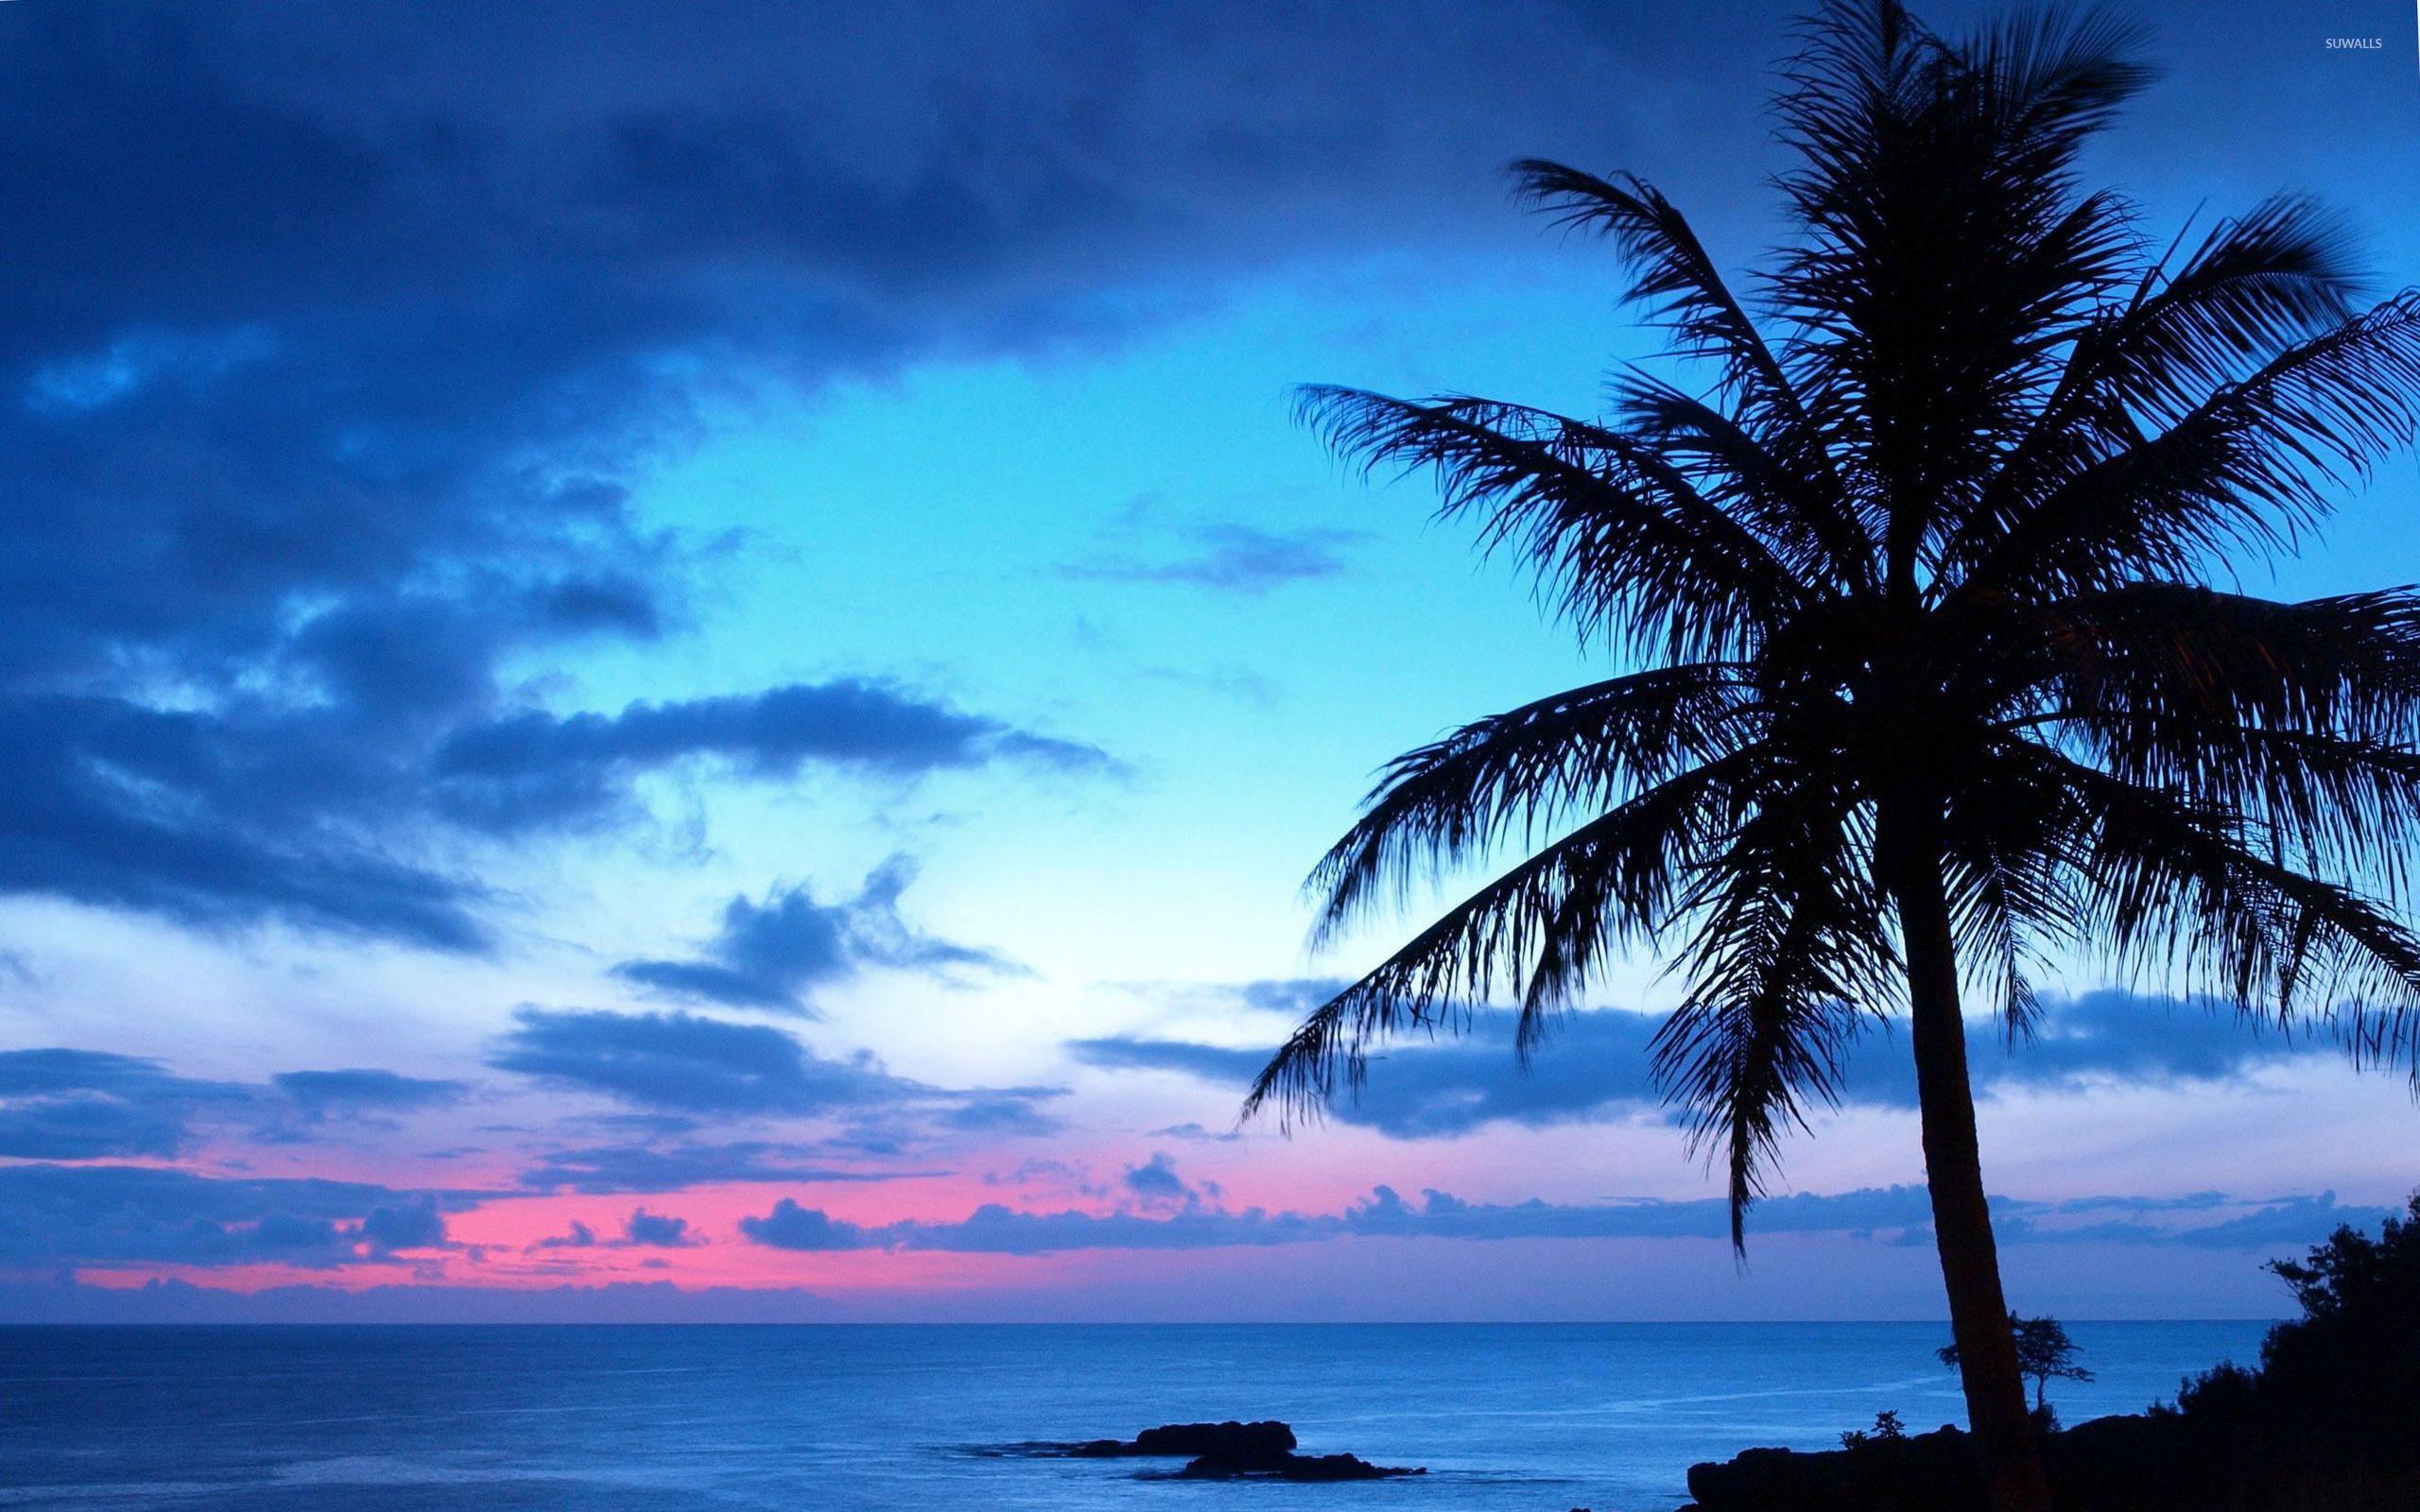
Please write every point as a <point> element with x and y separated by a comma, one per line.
<point>2044,1354</point>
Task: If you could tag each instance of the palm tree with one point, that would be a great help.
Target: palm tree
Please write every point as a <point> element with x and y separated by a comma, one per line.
<point>1924,672</point>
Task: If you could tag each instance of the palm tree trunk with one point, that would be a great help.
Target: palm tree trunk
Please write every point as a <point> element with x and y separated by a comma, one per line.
<point>2004,1436</point>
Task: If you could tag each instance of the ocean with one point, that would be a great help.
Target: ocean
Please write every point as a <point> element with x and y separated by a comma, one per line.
<point>1537,1417</point>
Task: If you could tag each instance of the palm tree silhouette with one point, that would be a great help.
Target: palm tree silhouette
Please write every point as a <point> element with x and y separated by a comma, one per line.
<point>1931,672</point>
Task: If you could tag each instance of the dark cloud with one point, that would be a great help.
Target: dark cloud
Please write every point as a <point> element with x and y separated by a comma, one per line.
<point>80,1105</point>
<point>1594,1064</point>
<point>579,1236</point>
<point>411,1226</point>
<point>1195,1131</point>
<point>34,1072</point>
<point>642,1230</point>
<point>692,1064</point>
<point>688,1063</point>
<point>358,1089</point>
<point>791,1227</point>
<point>1594,1067</point>
<point>1002,1111</point>
<point>772,954</point>
<point>1209,1062</point>
<point>1156,1181</point>
<point>274,808</point>
<point>2279,1222</point>
<point>334,340</point>
<point>325,363</point>
<point>1290,994</point>
<point>670,1168</point>
<point>2115,1037</point>
<point>532,769</point>
<point>1233,558</point>
<point>60,1104</point>
<point>105,1215</point>
<point>1885,1214</point>
<point>659,1231</point>
<point>81,1127</point>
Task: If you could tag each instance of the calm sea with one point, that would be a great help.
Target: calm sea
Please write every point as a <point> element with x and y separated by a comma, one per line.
<point>1541,1417</point>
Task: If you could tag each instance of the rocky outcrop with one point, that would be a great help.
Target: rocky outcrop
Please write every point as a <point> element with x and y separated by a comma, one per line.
<point>1235,1451</point>
<point>1928,1472</point>
<point>1229,1440</point>
<point>1291,1468</point>
<point>2157,1462</point>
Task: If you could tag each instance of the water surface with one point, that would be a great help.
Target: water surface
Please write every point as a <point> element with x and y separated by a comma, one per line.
<point>1536,1416</point>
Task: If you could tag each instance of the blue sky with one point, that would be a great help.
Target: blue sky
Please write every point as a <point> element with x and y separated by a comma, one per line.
<point>616,616</point>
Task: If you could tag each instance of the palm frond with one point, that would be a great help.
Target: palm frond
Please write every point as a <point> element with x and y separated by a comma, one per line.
<point>1510,775</point>
<point>1765,481</point>
<point>1944,258</point>
<point>2188,892</point>
<point>2346,666</point>
<point>2002,895</point>
<point>1622,542</point>
<point>1790,951</point>
<point>2244,470</point>
<point>1625,866</point>
<point>2255,286</point>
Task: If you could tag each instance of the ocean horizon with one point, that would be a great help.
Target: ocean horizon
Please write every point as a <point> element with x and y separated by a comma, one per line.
<point>633,1418</point>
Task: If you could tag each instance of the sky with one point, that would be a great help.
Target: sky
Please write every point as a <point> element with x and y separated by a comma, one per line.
<point>680,664</point>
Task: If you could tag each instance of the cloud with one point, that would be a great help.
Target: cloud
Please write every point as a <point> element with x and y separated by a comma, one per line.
<point>1594,1064</point>
<point>1195,1131</point>
<point>1884,1214</point>
<point>534,769</point>
<point>641,1230</point>
<point>1233,558</point>
<point>657,1231</point>
<point>1002,1111</point>
<point>1209,1062</point>
<point>1290,994</point>
<point>644,1168</point>
<point>791,1227</point>
<point>686,1063</point>
<point>1156,1181</point>
<point>83,1128</point>
<point>109,1215</point>
<point>2275,1223</point>
<point>32,1073</point>
<point>59,1104</point>
<point>579,1236</point>
<point>336,432</point>
<point>360,1090</point>
<point>2121,1037</point>
<point>692,1064</point>
<point>770,955</point>
<point>62,1104</point>
<point>411,1226</point>
<point>226,817</point>
<point>1594,1067</point>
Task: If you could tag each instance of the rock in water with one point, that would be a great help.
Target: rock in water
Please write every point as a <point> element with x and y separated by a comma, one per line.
<point>1234,1452</point>
<point>1292,1468</point>
<point>1229,1440</point>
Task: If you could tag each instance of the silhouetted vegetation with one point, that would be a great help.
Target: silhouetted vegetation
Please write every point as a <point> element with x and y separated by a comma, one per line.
<point>1886,1427</point>
<point>2331,1416</point>
<point>1927,659</point>
<point>2325,1422</point>
<point>2044,1354</point>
